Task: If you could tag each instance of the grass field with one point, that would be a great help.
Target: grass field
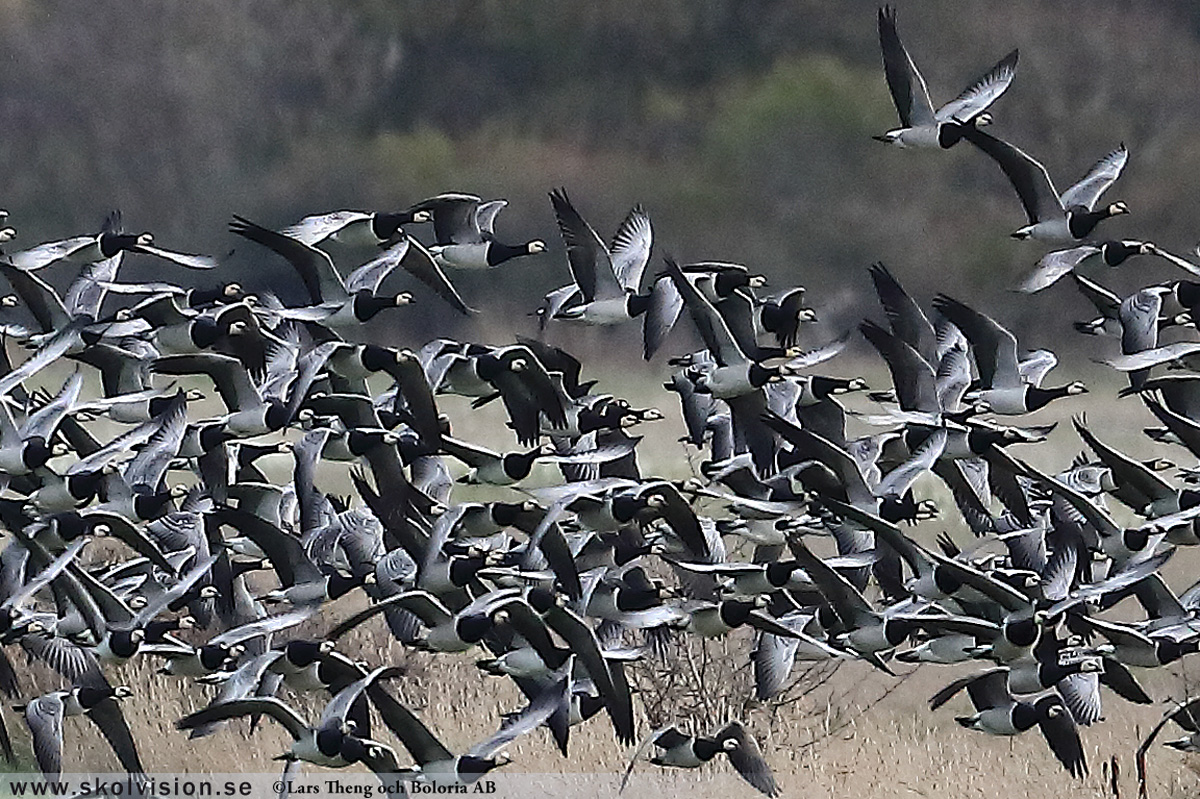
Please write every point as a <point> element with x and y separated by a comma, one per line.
<point>860,734</point>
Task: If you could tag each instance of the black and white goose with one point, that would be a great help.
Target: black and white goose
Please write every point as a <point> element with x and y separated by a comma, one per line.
<point>491,467</point>
<point>1068,217</point>
<point>446,631</point>
<point>995,350</point>
<point>734,373</point>
<point>437,765</point>
<point>680,750</point>
<point>339,303</point>
<point>922,126</point>
<point>320,744</point>
<point>29,447</point>
<point>463,227</point>
<point>255,409</point>
<point>608,278</point>
<point>355,228</point>
<point>44,717</point>
<point>998,713</point>
<point>1054,265</point>
<point>88,249</point>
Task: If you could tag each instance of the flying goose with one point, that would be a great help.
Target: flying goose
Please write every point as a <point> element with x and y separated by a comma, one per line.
<point>29,447</point>
<point>538,612</point>
<point>110,241</point>
<point>998,713</point>
<point>321,744</point>
<point>734,373</point>
<point>889,496</point>
<point>446,631</point>
<point>995,350</point>
<point>254,409</point>
<point>355,299</point>
<point>1054,265</point>
<point>438,765</point>
<point>1133,482</point>
<point>526,389</point>
<point>1068,217</point>
<point>1054,669</point>
<point>1131,647</point>
<point>353,227</point>
<point>922,126</point>
<point>866,632</point>
<point>608,278</point>
<point>44,716</point>
<point>680,750</point>
<point>463,227</point>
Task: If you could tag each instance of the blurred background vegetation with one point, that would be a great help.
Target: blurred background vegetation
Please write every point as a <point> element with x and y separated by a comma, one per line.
<point>743,126</point>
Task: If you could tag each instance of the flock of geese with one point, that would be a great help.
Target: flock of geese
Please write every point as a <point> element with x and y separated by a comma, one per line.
<point>561,588</point>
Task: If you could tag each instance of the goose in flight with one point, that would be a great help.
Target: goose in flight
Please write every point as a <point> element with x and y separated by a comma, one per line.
<point>995,350</point>
<point>44,717</point>
<point>999,713</point>
<point>1067,217</point>
<point>680,750</point>
<point>353,227</point>
<point>357,298</point>
<point>921,125</point>
<point>322,744</point>
<point>607,277</point>
<point>462,225</point>
<point>90,248</point>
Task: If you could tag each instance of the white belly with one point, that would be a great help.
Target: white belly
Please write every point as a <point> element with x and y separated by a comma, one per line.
<point>869,639</point>
<point>175,340</point>
<point>600,313</point>
<point>679,757</point>
<point>523,662</point>
<point>357,234</point>
<point>995,721</point>
<point>444,639</point>
<point>728,382</point>
<point>1052,230</point>
<point>1005,401</point>
<point>461,256</point>
<point>708,623</point>
<point>924,136</point>
<point>53,497</point>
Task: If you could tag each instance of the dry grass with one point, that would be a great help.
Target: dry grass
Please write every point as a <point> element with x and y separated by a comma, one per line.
<point>841,740</point>
<point>890,748</point>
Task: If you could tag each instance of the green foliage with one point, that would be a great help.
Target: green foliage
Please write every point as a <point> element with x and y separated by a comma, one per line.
<point>818,92</point>
<point>424,157</point>
<point>744,125</point>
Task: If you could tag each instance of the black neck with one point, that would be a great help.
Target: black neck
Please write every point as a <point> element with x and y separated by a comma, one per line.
<point>498,253</point>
